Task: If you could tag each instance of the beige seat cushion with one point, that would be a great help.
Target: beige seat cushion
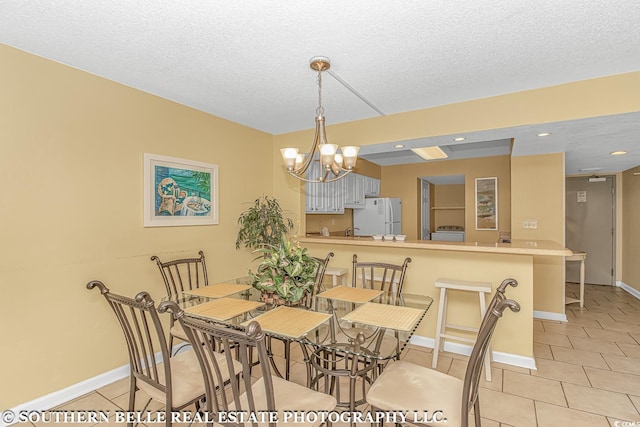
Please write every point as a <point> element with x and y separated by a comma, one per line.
<point>409,387</point>
<point>290,396</point>
<point>177,331</point>
<point>186,378</point>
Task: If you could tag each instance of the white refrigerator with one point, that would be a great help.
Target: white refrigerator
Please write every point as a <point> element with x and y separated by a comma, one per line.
<point>379,216</point>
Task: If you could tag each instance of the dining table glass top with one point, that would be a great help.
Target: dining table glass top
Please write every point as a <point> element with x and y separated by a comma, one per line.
<point>341,319</point>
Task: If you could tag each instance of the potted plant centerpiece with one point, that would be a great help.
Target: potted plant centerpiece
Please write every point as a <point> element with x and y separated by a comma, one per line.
<point>286,273</point>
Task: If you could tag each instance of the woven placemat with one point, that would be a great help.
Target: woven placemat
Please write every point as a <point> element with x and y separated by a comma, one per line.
<point>350,294</point>
<point>386,316</point>
<point>218,290</point>
<point>223,308</point>
<point>290,322</point>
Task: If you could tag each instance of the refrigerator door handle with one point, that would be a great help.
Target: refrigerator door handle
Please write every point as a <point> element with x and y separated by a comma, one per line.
<point>389,210</point>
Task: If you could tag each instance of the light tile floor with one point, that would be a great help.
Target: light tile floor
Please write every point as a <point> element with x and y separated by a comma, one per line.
<point>588,370</point>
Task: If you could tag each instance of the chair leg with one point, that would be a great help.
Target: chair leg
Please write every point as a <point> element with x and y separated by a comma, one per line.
<point>287,359</point>
<point>132,397</point>
<point>476,412</point>
<point>487,358</point>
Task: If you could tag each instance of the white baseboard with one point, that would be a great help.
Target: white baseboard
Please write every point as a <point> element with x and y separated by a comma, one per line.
<point>633,291</point>
<point>59,397</point>
<point>547,315</point>
<point>464,349</point>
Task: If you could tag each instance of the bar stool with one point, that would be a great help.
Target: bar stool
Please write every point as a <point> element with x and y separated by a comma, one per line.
<point>482,288</point>
<point>578,256</point>
<point>335,273</point>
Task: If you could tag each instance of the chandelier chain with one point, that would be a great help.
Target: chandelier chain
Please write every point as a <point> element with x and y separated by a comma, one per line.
<point>320,109</point>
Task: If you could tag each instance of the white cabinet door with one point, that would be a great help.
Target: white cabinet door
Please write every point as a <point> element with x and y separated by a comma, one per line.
<point>321,197</point>
<point>372,187</point>
<point>314,191</point>
<point>354,191</point>
<point>334,195</point>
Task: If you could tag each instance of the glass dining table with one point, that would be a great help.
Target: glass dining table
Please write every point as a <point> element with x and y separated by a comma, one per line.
<point>347,335</point>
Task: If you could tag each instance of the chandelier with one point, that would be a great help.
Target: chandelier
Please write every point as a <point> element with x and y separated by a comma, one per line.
<point>331,161</point>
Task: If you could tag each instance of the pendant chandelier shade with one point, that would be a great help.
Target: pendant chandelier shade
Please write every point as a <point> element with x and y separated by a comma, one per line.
<point>334,164</point>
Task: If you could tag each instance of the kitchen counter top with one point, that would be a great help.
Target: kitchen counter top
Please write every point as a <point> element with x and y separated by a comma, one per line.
<point>516,247</point>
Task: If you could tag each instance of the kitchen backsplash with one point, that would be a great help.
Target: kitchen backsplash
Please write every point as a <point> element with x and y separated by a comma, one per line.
<point>336,224</point>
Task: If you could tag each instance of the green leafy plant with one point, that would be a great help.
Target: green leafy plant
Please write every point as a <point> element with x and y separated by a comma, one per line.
<point>262,224</point>
<point>286,270</point>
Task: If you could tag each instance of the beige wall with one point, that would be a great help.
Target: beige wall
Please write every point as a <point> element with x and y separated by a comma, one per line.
<point>631,226</point>
<point>71,159</point>
<point>402,181</point>
<point>537,193</point>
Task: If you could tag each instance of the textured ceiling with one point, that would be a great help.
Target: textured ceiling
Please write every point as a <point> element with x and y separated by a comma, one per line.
<point>247,61</point>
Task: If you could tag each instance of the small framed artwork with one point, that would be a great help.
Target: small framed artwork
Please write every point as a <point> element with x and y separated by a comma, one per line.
<point>487,203</point>
<point>179,192</point>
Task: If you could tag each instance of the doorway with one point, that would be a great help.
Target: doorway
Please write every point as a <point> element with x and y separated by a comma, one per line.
<point>590,227</point>
<point>442,199</point>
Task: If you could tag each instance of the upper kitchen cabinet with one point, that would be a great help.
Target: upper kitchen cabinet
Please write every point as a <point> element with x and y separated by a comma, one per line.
<point>371,187</point>
<point>354,191</point>
<point>323,197</point>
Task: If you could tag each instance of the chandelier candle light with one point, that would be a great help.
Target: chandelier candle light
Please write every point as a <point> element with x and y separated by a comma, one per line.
<point>339,164</point>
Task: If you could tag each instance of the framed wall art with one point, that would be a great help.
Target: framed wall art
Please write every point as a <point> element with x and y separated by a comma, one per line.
<point>179,192</point>
<point>487,203</point>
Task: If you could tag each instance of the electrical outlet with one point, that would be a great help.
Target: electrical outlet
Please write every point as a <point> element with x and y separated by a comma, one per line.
<point>530,223</point>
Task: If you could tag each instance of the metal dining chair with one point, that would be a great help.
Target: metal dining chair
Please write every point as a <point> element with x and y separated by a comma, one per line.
<point>389,278</point>
<point>175,382</point>
<point>269,393</point>
<point>406,386</point>
<point>180,275</point>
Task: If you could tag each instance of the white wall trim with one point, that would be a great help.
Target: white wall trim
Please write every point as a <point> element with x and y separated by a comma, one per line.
<point>464,349</point>
<point>547,315</point>
<point>59,397</point>
<point>633,291</point>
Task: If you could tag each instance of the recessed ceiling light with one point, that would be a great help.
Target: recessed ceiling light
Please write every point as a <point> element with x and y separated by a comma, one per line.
<point>430,153</point>
<point>461,138</point>
<point>398,146</point>
<point>544,134</point>
<point>618,153</point>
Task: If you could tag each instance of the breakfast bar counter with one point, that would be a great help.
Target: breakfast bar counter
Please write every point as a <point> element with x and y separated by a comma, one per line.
<point>487,262</point>
<point>521,247</point>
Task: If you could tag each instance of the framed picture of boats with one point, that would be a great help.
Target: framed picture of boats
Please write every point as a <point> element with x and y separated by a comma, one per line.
<point>487,203</point>
<point>179,192</point>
